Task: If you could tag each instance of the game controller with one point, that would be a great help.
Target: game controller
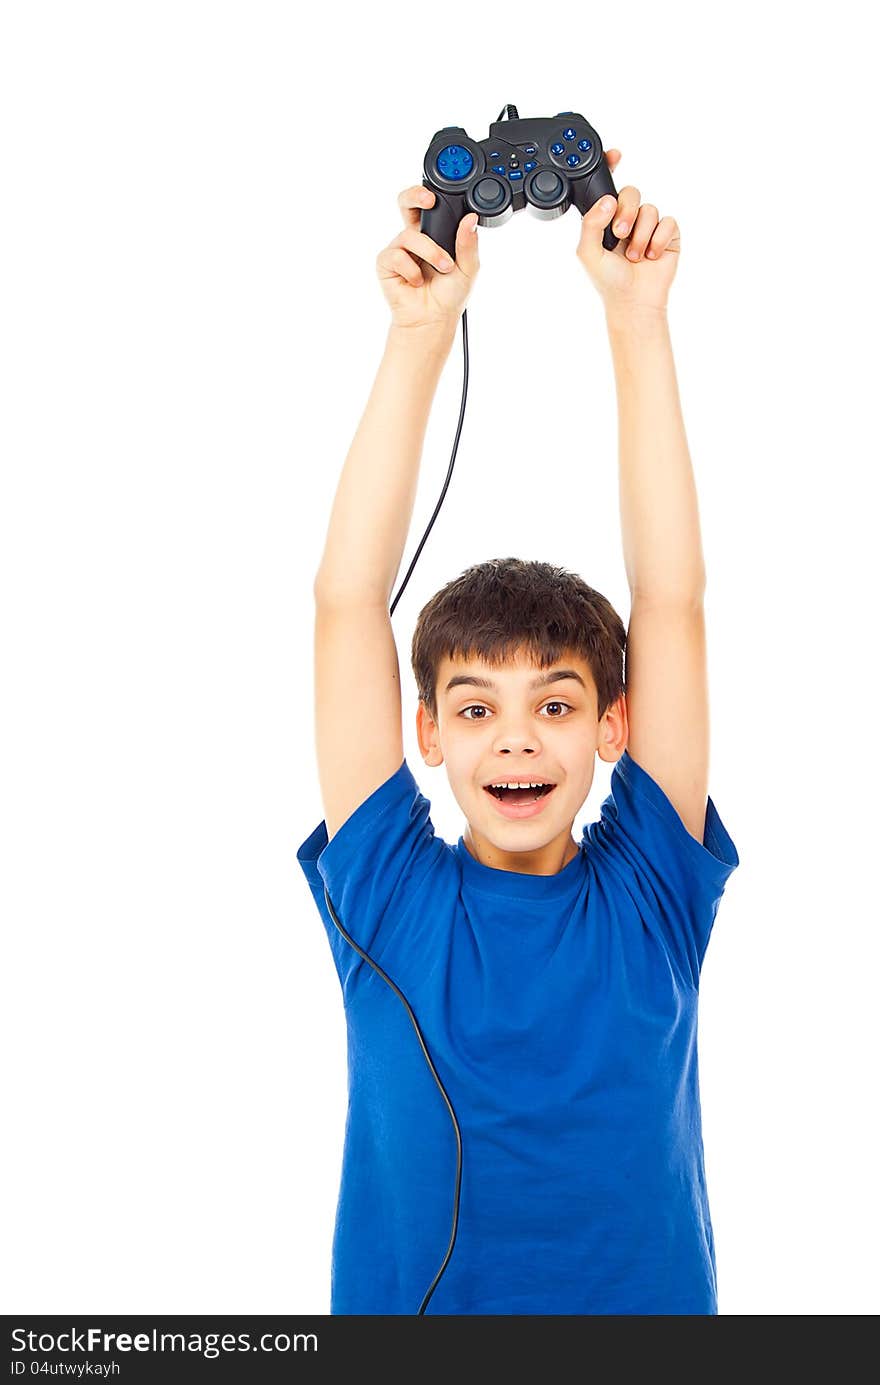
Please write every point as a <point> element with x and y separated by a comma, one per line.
<point>544,163</point>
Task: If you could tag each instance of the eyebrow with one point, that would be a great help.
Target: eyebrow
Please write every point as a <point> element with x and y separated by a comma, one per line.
<point>557,676</point>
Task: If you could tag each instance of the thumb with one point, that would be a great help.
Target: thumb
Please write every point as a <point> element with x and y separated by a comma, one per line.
<point>466,252</point>
<point>593,227</point>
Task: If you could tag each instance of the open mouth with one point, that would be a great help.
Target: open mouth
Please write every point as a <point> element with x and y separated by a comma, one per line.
<point>522,796</point>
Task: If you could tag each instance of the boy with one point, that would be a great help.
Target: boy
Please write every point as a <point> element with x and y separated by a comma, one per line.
<point>523,1131</point>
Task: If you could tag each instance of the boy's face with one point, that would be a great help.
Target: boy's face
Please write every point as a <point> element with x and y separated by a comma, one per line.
<point>547,733</point>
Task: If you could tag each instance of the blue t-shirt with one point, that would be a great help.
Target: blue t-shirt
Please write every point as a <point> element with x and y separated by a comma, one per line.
<point>560,1012</point>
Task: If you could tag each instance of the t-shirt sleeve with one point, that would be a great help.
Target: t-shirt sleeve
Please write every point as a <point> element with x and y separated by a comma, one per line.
<point>377,868</point>
<point>679,879</point>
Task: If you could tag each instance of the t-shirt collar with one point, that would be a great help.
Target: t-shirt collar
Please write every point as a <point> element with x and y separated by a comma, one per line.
<point>516,884</point>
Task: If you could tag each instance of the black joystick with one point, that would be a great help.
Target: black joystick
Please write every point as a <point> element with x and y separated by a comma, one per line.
<point>545,163</point>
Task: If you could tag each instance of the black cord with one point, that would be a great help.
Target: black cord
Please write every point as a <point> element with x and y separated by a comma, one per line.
<point>347,936</point>
<point>398,992</point>
<point>464,390</point>
<point>508,113</point>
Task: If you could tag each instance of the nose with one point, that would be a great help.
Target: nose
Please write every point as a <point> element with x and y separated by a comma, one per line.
<point>514,743</point>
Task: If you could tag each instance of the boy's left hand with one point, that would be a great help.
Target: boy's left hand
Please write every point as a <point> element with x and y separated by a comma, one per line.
<point>639,271</point>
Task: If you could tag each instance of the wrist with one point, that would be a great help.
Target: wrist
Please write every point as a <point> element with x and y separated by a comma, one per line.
<point>636,318</point>
<point>424,338</point>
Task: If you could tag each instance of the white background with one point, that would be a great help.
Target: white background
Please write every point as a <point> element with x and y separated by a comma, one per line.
<point>194,197</point>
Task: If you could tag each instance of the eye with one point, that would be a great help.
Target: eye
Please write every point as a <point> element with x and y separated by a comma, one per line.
<point>478,707</point>
<point>558,704</point>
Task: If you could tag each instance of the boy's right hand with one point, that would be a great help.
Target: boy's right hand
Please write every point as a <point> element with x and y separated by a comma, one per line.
<point>412,270</point>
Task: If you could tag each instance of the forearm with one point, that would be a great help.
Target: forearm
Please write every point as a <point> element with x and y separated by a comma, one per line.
<point>374,500</point>
<point>659,513</point>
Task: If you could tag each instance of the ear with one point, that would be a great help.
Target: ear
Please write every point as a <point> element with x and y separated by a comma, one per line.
<point>614,731</point>
<point>428,736</point>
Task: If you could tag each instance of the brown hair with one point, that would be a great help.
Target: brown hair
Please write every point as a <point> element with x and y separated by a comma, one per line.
<point>495,610</point>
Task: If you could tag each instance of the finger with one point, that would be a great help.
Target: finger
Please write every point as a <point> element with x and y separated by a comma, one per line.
<point>628,200</point>
<point>613,157</point>
<point>394,262</point>
<point>427,249</point>
<point>666,237</point>
<point>590,249</point>
<point>413,200</point>
<point>644,228</point>
<point>467,255</point>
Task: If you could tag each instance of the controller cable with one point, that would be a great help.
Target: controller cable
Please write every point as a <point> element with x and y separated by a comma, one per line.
<point>510,114</point>
<point>348,938</point>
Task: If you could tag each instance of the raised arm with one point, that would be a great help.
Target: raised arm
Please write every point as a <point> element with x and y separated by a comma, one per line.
<point>358,726</point>
<point>358,729</point>
<point>372,508</point>
<point>666,667</point>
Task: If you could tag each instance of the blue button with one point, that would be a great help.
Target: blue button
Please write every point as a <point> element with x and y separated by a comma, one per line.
<point>557,148</point>
<point>585,144</point>
<point>495,154</point>
<point>515,173</point>
<point>455,162</point>
<point>573,160</point>
<point>498,168</point>
<point>533,163</point>
<point>531,149</point>
<point>569,133</point>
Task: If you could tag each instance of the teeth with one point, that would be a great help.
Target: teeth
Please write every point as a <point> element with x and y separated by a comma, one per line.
<point>502,784</point>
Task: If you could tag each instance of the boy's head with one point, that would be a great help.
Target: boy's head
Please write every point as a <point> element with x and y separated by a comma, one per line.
<point>512,622</point>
